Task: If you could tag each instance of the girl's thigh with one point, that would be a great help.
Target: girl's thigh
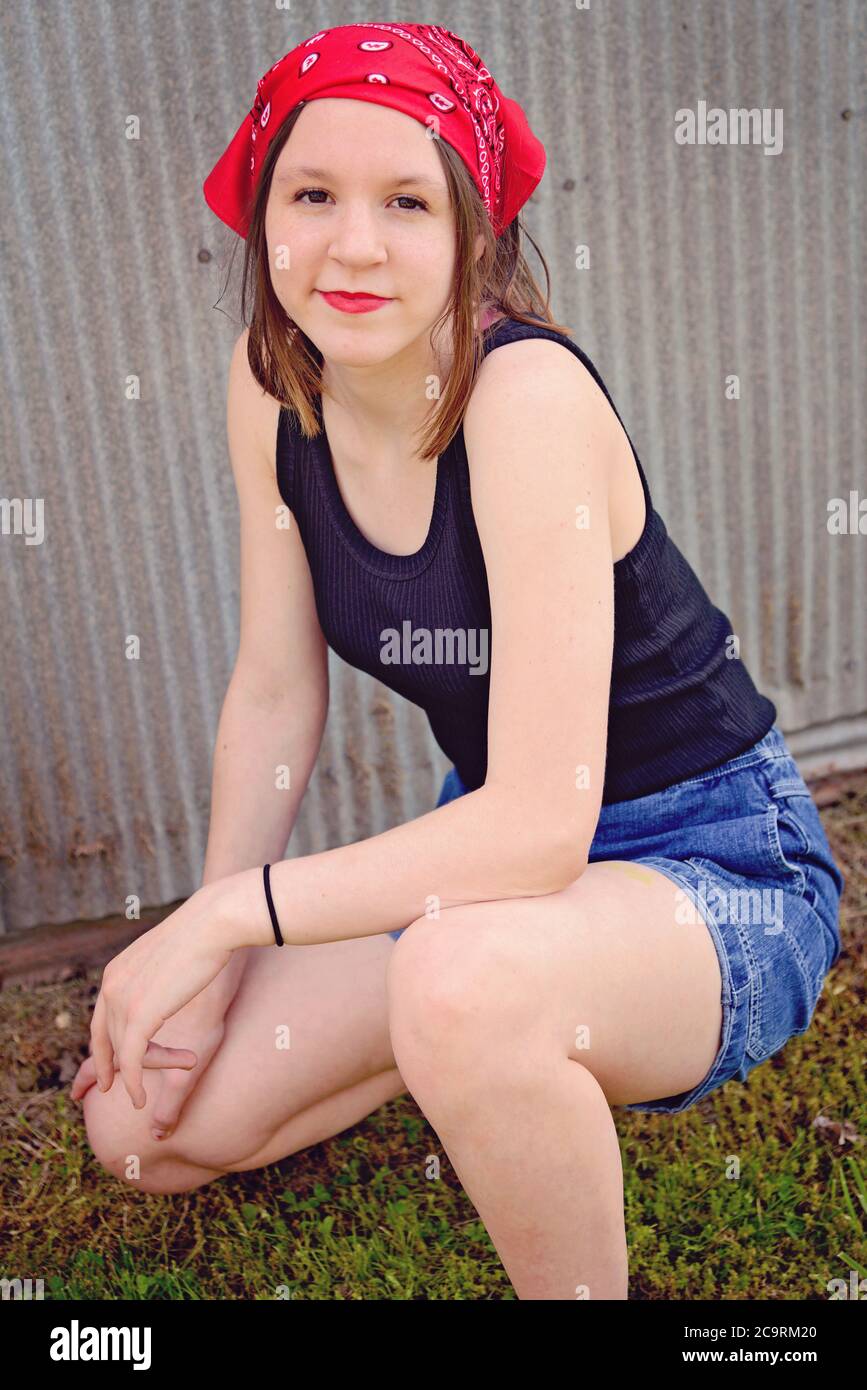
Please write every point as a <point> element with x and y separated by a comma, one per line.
<point>691,949</point>
<point>306,1023</point>
<point>605,973</point>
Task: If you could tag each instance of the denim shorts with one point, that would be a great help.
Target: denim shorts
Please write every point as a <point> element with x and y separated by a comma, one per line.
<point>745,844</point>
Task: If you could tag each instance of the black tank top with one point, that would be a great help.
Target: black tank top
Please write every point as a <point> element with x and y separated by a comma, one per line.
<point>678,704</point>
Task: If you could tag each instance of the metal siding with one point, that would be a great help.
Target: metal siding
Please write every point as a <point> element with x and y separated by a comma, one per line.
<point>704,261</point>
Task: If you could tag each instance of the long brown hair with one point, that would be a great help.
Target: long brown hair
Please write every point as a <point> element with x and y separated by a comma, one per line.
<point>288,365</point>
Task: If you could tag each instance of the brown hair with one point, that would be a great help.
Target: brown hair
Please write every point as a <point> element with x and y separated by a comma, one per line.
<point>288,365</point>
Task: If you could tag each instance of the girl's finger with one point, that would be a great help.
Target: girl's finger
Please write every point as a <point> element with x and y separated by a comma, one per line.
<point>138,1052</point>
<point>130,1057</point>
<point>101,1046</point>
<point>159,1056</point>
<point>85,1077</point>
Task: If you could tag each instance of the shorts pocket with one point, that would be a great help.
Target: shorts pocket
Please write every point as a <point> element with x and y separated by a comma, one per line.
<point>788,840</point>
<point>771,923</point>
<point>787,986</point>
<point>800,852</point>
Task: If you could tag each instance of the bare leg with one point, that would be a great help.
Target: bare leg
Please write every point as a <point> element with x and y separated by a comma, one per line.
<point>516,1025</point>
<point>540,1161</point>
<point>257,1102</point>
<point>170,1172</point>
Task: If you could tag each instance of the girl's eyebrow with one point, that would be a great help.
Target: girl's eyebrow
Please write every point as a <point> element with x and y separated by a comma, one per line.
<point>305,171</point>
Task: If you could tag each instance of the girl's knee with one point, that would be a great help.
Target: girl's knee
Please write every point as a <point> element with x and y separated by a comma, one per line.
<point>454,980</point>
<point>121,1141</point>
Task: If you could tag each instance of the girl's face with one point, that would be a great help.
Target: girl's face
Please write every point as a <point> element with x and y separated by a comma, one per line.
<point>373,217</point>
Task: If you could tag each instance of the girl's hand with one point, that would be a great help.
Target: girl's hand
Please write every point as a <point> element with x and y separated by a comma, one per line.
<point>181,1068</point>
<point>204,1026</point>
<point>148,983</point>
<point>156,1056</point>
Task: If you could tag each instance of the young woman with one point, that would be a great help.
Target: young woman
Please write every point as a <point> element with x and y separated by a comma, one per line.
<point>624,896</point>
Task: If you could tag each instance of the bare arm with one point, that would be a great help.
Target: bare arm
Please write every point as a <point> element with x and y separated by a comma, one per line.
<point>540,438</point>
<point>276,702</point>
<point>272,717</point>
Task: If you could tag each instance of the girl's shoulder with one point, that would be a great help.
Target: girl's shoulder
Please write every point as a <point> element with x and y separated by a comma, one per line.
<point>255,412</point>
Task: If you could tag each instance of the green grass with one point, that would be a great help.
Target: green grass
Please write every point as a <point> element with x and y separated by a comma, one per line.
<point>759,1191</point>
<point>353,1218</point>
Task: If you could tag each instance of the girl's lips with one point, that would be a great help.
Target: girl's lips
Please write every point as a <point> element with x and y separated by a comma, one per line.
<point>354,303</point>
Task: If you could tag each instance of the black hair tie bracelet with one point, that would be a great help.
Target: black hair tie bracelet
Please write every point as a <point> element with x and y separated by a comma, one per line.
<point>278,935</point>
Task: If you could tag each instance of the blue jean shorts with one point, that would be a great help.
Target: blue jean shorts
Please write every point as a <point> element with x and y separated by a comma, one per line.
<point>745,844</point>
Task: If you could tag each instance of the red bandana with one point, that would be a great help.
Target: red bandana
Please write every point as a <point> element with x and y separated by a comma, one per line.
<point>423,70</point>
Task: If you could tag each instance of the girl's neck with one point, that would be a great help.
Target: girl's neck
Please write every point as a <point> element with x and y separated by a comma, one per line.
<point>369,418</point>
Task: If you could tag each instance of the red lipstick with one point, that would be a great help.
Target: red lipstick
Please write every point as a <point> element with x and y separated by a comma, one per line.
<point>353,303</point>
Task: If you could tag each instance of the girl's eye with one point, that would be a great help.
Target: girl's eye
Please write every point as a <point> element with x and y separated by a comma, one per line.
<point>402,198</point>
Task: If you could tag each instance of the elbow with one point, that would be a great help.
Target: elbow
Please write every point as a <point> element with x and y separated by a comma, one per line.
<point>552,851</point>
<point>559,864</point>
<point>570,865</point>
<point>570,836</point>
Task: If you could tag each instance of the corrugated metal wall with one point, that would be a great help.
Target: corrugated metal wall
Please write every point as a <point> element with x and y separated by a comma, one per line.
<point>705,261</point>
